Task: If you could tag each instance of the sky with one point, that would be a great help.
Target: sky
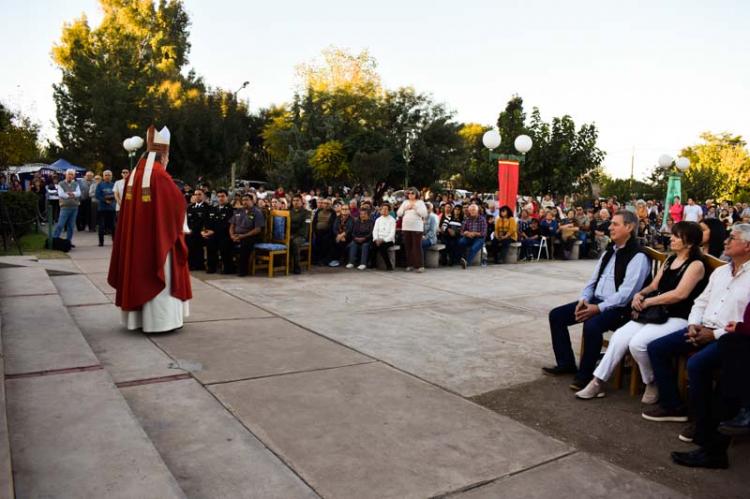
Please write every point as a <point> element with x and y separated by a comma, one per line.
<point>653,75</point>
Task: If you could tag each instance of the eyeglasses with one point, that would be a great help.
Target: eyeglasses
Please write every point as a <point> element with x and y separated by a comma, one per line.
<point>735,238</point>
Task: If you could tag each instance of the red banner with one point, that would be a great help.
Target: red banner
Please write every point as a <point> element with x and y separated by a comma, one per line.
<point>507,183</point>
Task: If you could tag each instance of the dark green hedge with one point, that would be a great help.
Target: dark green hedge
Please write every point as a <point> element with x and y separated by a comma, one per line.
<point>21,206</point>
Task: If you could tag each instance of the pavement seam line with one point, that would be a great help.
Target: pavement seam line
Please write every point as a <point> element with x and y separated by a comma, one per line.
<point>500,478</point>
<point>153,381</point>
<point>29,295</point>
<point>264,444</point>
<point>240,422</point>
<point>52,372</point>
<point>276,375</point>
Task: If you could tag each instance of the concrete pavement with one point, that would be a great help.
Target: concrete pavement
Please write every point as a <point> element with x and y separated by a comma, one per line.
<point>331,384</point>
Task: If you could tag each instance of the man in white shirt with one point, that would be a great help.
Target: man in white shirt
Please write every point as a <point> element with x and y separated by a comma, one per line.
<point>692,212</point>
<point>384,234</point>
<point>119,188</point>
<point>723,301</point>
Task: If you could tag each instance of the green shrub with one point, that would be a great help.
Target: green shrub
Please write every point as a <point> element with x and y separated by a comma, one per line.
<point>21,207</point>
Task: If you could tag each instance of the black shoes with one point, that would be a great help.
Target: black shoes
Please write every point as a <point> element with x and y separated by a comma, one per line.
<point>557,371</point>
<point>699,458</point>
<point>739,425</point>
<point>296,271</point>
<point>660,414</point>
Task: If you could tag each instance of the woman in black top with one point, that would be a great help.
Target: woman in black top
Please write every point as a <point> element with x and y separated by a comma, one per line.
<point>678,283</point>
<point>450,228</point>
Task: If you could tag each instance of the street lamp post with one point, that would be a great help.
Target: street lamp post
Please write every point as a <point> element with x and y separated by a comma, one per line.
<point>132,145</point>
<point>508,165</point>
<point>244,84</point>
<point>674,181</point>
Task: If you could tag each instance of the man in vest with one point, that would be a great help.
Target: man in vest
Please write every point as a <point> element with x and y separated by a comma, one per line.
<point>149,264</point>
<point>605,301</point>
<point>69,194</point>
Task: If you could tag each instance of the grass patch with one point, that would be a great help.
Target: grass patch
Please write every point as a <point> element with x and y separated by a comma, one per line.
<point>32,244</point>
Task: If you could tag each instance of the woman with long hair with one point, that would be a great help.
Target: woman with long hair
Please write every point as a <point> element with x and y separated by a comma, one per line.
<point>678,283</point>
<point>714,235</point>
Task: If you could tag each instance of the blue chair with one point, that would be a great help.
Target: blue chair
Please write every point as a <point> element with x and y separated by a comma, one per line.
<point>279,233</point>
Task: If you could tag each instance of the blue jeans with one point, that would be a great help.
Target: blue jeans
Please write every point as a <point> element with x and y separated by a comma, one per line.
<point>68,221</point>
<point>593,329</point>
<point>474,245</point>
<point>700,366</point>
<point>353,247</point>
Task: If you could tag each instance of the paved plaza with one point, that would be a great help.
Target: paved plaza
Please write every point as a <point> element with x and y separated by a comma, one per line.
<point>334,384</point>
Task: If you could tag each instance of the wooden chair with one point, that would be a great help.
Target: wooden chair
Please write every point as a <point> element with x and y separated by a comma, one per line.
<point>277,244</point>
<point>306,248</point>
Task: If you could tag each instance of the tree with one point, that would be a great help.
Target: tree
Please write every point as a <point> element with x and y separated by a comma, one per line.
<point>341,71</point>
<point>477,171</point>
<point>719,169</point>
<point>18,138</point>
<point>329,162</point>
<point>370,168</point>
<point>127,73</point>
<point>511,124</point>
<point>341,102</point>
<point>563,159</point>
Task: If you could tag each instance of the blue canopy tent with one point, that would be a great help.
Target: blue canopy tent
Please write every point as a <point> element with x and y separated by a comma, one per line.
<point>62,165</point>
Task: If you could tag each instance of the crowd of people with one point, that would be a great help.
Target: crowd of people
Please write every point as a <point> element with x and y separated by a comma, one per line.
<point>685,310</point>
<point>467,226</point>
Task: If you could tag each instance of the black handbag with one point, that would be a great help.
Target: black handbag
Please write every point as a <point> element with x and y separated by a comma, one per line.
<point>652,315</point>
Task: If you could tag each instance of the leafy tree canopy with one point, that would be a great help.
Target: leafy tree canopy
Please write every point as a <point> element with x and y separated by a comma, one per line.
<point>18,138</point>
<point>127,73</point>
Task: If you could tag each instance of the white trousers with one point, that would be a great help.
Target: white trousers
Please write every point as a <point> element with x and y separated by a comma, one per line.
<point>636,337</point>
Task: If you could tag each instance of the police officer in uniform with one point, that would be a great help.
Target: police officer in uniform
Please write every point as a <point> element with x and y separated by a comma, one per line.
<point>216,235</point>
<point>197,220</point>
<point>245,229</point>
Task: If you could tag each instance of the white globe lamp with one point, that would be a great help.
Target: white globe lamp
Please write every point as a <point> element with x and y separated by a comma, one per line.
<point>491,139</point>
<point>523,144</point>
<point>665,160</point>
<point>682,163</point>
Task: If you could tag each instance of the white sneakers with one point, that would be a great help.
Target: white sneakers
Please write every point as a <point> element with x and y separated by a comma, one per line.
<point>651,395</point>
<point>349,265</point>
<point>595,389</point>
<point>420,270</point>
<point>362,267</point>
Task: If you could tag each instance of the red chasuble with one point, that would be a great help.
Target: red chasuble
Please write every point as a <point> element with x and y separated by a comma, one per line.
<point>149,226</point>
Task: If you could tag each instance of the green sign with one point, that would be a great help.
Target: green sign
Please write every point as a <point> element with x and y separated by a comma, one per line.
<point>674,186</point>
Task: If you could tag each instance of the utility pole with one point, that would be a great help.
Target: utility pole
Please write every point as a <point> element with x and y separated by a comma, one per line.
<point>632,166</point>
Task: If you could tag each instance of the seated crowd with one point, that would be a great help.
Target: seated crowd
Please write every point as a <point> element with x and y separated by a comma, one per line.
<point>466,232</point>
<point>684,312</point>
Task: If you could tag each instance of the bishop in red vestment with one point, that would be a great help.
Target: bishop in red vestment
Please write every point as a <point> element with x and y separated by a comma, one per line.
<point>149,267</point>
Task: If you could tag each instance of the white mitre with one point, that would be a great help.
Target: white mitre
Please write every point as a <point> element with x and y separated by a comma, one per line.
<point>162,136</point>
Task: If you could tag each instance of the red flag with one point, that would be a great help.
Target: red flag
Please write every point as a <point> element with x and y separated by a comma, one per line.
<point>507,182</point>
